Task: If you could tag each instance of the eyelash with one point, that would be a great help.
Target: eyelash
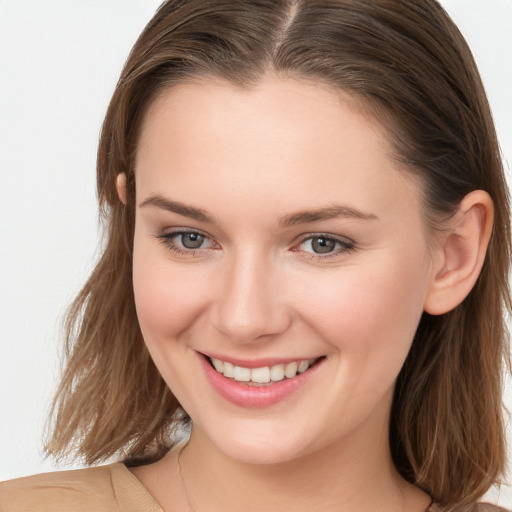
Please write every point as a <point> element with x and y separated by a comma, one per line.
<point>343,245</point>
<point>167,239</point>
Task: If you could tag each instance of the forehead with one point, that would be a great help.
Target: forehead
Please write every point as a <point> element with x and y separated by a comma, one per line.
<point>212,103</point>
<point>281,139</point>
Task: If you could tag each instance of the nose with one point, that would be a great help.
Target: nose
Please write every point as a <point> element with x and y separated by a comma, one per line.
<point>249,303</point>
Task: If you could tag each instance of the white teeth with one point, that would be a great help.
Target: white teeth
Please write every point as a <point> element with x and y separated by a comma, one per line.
<point>218,364</point>
<point>290,370</point>
<point>242,374</point>
<point>277,372</point>
<point>262,375</point>
<point>303,366</point>
<point>228,370</point>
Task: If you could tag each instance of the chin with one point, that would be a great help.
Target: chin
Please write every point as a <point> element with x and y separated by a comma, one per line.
<point>259,454</point>
<point>267,445</point>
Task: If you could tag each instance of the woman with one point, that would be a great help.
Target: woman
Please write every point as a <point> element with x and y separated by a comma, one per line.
<point>306,262</point>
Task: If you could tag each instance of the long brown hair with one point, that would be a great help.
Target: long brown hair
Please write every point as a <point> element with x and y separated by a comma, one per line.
<point>409,66</point>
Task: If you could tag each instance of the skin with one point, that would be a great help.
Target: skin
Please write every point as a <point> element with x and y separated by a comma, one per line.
<point>256,289</point>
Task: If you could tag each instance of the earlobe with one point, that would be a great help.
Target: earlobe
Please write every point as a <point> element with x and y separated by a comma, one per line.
<point>121,187</point>
<point>461,253</point>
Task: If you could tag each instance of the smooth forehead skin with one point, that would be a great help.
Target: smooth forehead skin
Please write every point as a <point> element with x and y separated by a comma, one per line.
<point>296,125</point>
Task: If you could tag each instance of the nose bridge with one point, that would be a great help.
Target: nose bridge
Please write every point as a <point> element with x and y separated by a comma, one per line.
<point>249,305</point>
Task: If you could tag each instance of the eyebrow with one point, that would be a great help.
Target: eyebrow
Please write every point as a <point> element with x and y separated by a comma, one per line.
<point>177,207</point>
<point>330,212</point>
<point>302,217</point>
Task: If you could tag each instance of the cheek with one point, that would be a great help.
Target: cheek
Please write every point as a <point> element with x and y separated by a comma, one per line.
<point>167,300</point>
<point>370,312</point>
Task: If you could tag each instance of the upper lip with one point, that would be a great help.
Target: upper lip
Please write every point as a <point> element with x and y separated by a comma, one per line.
<point>257,363</point>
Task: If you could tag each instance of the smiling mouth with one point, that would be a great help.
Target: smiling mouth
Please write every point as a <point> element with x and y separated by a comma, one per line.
<point>264,376</point>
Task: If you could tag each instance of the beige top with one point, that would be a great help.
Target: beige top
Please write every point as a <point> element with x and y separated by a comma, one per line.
<point>111,488</point>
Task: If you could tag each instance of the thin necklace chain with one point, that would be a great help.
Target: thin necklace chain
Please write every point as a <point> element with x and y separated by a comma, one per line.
<point>188,497</point>
<point>183,480</point>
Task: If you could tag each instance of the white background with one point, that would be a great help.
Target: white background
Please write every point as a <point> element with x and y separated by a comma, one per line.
<point>59,62</point>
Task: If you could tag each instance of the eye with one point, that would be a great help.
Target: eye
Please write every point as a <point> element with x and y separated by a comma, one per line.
<point>186,242</point>
<point>191,240</point>
<point>325,245</point>
<point>322,244</point>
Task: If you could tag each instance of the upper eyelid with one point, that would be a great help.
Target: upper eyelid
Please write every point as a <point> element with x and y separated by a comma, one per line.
<point>340,238</point>
<point>168,232</point>
<point>347,245</point>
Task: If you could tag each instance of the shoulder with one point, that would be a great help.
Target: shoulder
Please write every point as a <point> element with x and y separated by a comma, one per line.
<point>83,489</point>
<point>98,489</point>
<point>487,507</point>
<point>474,507</point>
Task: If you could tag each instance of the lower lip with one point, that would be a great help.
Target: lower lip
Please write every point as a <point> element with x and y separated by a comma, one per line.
<point>255,396</point>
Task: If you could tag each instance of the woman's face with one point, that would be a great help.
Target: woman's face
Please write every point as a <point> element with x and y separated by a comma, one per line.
<point>273,234</point>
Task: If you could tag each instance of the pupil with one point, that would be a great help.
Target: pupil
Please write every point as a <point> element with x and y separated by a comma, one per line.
<point>192,240</point>
<point>323,245</point>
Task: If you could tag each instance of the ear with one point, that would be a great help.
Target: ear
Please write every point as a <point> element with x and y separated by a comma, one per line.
<point>121,187</point>
<point>459,257</point>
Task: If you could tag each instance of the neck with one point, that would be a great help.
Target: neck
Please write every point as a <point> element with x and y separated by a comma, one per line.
<point>354,474</point>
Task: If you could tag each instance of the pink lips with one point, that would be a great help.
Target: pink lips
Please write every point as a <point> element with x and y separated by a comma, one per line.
<point>255,396</point>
